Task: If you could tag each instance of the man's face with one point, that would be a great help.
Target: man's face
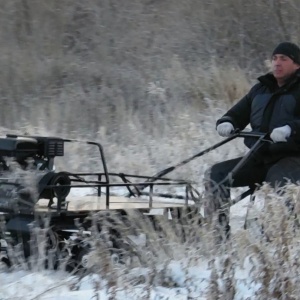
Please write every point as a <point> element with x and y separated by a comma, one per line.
<point>283,67</point>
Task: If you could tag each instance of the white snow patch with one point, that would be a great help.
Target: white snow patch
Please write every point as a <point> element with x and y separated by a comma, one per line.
<point>191,281</point>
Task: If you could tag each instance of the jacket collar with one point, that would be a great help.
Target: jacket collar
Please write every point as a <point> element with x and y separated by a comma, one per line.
<point>270,81</point>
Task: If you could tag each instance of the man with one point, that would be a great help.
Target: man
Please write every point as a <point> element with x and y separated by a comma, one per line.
<point>271,106</point>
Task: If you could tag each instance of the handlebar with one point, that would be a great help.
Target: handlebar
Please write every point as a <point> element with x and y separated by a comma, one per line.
<point>261,137</point>
<point>265,137</point>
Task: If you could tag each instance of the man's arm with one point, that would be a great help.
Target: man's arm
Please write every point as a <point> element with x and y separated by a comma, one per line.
<point>239,114</point>
<point>295,124</point>
<point>295,129</point>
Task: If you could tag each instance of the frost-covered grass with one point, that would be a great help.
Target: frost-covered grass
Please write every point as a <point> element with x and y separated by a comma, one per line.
<point>147,80</point>
<point>179,261</point>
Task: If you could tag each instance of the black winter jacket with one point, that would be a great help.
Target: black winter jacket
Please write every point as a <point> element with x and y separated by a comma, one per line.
<point>266,107</point>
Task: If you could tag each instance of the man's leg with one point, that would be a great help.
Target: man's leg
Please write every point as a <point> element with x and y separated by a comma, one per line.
<point>285,170</point>
<point>218,195</point>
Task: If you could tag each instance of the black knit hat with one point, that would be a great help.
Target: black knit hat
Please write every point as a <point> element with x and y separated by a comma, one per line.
<point>289,49</point>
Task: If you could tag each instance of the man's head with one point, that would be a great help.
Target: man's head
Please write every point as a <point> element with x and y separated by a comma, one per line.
<point>285,61</point>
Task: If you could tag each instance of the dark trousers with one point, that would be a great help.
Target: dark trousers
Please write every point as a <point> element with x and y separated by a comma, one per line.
<point>253,172</point>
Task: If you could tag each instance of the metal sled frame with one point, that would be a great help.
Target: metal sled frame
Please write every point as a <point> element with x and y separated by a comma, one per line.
<point>136,188</point>
<point>136,198</point>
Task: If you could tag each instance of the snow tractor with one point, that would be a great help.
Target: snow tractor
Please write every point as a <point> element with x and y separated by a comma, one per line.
<point>66,205</point>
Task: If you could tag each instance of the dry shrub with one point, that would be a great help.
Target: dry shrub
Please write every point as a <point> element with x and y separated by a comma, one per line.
<point>148,79</point>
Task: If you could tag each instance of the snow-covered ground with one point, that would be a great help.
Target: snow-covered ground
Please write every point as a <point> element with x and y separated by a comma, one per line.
<point>192,282</point>
<point>189,280</point>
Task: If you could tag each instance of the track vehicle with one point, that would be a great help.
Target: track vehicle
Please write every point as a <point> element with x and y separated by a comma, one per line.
<point>53,195</point>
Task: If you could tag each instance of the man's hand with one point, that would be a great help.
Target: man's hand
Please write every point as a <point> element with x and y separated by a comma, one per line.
<point>225,129</point>
<point>280,134</point>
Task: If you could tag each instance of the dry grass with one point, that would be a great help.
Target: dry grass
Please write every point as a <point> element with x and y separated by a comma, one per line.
<point>162,252</point>
<point>148,79</point>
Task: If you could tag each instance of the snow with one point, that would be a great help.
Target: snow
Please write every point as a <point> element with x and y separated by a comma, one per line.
<point>191,282</point>
<point>43,285</point>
